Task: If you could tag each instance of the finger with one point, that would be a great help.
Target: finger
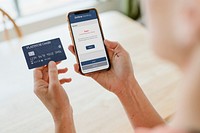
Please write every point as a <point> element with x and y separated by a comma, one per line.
<point>64,70</point>
<point>53,73</point>
<point>65,80</point>
<point>71,49</point>
<point>76,68</point>
<point>115,46</point>
<point>58,62</point>
<point>40,68</point>
<point>90,74</point>
<point>110,44</point>
<point>110,53</point>
<point>46,75</point>
<point>45,68</point>
<point>37,74</point>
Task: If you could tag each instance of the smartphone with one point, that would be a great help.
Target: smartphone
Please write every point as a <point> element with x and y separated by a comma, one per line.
<point>87,36</point>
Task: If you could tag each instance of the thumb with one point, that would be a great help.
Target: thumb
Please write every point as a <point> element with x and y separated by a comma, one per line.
<point>110,44</point>
<point>115,46</point>
<point>53,73</point>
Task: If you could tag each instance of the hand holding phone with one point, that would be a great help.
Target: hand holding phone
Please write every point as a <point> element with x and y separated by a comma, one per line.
<point>88,40</point>
<point>119,76</point>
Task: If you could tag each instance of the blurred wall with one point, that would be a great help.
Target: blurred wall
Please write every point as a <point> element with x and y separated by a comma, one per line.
<point>56,17</point>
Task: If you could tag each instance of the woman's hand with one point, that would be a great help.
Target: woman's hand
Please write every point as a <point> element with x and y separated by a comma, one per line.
<point>48,89</point>
<point>121,81</point>
<point>121,73</point>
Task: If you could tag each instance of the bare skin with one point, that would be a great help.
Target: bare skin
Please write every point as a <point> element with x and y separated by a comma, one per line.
<point>121,81</point>
<point>175,31</point>
<point>48,88</point>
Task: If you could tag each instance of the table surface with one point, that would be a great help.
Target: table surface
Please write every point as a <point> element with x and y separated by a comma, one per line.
<point>95,109</point>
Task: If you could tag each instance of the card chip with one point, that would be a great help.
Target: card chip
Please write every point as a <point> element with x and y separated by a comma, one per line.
<point>32,53</point>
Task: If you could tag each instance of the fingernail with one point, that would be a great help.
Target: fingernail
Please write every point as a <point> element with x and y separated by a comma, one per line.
<point>52,63</point>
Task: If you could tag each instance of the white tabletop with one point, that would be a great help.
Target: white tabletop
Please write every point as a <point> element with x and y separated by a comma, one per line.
<point>95,109</point>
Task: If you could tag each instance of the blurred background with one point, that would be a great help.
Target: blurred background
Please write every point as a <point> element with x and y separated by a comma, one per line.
<point>42,14</point>
<point>24,22</point>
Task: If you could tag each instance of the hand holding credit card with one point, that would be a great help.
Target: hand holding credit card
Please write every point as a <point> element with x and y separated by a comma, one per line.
<point>40,54</point>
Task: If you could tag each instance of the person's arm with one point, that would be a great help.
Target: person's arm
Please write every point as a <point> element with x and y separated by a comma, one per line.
<point>49,90</point>
<point>187,114</point>
<point>140,111</point>
<point>121,81</point>
<point>65,124</point>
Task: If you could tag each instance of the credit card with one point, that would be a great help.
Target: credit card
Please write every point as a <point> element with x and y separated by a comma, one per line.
<point>41,53</point>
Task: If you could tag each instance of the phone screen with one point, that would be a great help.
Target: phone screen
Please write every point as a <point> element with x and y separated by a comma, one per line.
<point>88,41</point>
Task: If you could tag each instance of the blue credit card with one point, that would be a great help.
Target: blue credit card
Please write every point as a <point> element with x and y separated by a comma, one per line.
<point>40,54</point>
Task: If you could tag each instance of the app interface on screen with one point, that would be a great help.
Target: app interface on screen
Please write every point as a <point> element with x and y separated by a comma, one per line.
<point>89,42</point>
